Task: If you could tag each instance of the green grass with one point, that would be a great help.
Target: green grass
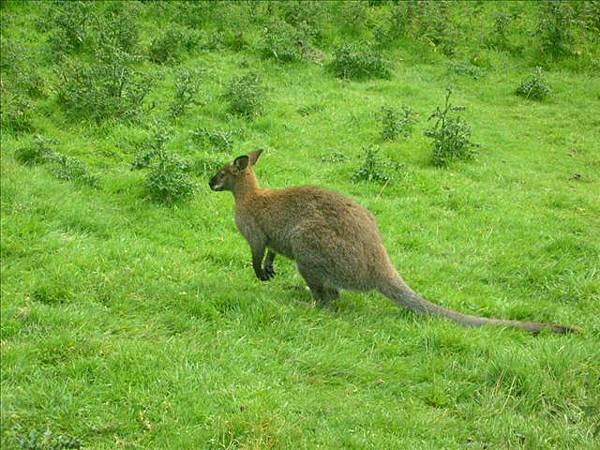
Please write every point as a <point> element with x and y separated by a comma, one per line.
<point>130,324</point>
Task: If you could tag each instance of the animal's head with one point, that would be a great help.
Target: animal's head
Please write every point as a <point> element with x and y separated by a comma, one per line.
<point>230,174</point>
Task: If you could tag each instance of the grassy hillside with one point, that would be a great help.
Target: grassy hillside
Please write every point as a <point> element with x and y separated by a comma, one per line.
<point>131,317</point>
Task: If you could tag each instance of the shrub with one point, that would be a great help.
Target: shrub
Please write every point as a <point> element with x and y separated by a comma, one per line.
<point>555,28</point>
<point>465,68</point>
<point>187,85</point>
<point>215,140</point>
<point>16,113</point>
<point>70,26</point>
<point>499,38</point>
<point>357,63</point>
<point>107,89</point>
<point>281,41</point>
<point>168,47</point>
<point>534,86</point>
<point>63,167</point>
<point>451,134</point>
<point>207,165</point>
<point>397,122</point>
<point>40,151</point>
<point>374,169</point>
<point>245,95</point>
<point>167,180</point>
<point>72,169</point>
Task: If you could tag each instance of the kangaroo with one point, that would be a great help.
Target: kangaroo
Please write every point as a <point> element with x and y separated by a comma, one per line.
<point>334,241</point>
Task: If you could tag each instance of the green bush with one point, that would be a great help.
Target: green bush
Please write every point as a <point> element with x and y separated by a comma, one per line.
<point>187,85</point>
<point>374,168</point>
<point>169,47</point>
<point>213,139</point>
<point>555,28</point>
<point>63,167</point>
<point>358,63</point>
<point>451,134</point>
<point>245,95</point>
<point>40,151</point>
<point>534,87</point>
<point>397,122</point>
<point>281,41</point>
<point>16,112</point>
<point>167,180</point>
<point>107,89</point>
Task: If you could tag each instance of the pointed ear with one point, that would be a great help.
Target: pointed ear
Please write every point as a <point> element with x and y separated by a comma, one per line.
<point>241,162</point>
<point>255,155</point>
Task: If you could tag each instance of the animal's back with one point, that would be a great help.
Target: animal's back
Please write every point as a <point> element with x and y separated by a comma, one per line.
<point>325,230</point>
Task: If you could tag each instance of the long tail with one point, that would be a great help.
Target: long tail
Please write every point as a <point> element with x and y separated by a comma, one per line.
<point>403,295</point>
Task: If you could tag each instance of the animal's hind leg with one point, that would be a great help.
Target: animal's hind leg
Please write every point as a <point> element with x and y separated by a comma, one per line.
<point>321,293</point>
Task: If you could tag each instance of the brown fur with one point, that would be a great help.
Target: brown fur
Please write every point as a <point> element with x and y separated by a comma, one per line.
<point>335,242</point>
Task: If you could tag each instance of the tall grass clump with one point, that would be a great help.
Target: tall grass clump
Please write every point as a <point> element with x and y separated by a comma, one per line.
<point>450,133</point>
<point>374,168</point>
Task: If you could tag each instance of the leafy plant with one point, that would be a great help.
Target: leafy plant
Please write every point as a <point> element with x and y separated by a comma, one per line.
<point>555,28</point>
<point>498,39</point>
<point>35,440</point>
<point>534,86</point>
<point>465,68</point>
<point>167,180</point>
<point>16,112</point>
<point>450,133</point>
<point>357,63</point>
<point>187,85</point>
<point>397,122</point>
<point>207,165</point>
<point>374,168</point>
<point>280,41</point>
<point>40,151</point>
<point>245,95</point>
<point>71,169</point>
<point>63,167</point>
<point>214,139</point>
<point>168,47</point>
<point>109,88</point>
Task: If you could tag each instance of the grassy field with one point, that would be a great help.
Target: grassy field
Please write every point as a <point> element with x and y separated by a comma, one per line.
<point>131,321</point>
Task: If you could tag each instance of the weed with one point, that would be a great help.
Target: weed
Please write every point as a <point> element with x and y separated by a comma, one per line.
<point>187,85</point>
<point>374,168</point>
<point>397,122</point>
<point>245,95</point>
<point>450,133</point>
<point>281,41</point>
<point>534,87</point>
<point>219,140</point>
<point>357,63</point>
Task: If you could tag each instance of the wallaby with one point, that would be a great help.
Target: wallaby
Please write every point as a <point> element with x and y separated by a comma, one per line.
<point>335,242</point>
